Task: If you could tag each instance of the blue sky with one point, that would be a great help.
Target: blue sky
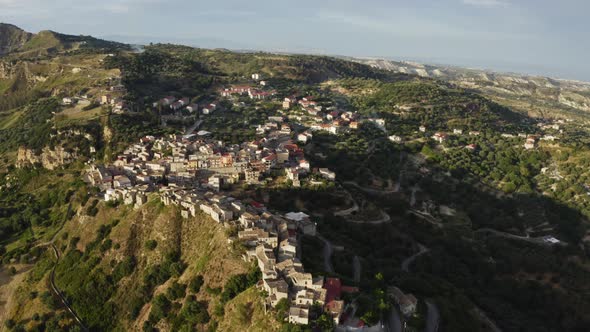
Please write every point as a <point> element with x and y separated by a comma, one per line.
<point>528,36</point>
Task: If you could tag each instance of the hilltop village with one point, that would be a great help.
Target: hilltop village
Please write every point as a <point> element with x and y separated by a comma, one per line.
<point>199,173</point>
<point>192,171</point>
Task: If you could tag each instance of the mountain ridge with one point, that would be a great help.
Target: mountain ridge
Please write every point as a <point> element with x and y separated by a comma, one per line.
<point>538,96</point>
<point>16,41</point>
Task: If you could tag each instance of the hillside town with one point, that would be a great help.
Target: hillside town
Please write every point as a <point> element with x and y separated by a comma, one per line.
<point>191,171</point>
<point>197,172</point>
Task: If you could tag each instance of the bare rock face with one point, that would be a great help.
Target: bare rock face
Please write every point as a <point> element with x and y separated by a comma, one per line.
<point>49,159</point>
<point>12,38</point>
<point>7,70</point>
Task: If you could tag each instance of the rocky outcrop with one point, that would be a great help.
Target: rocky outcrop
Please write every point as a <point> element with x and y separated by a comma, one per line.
<point>12,38</point>
<point>7,70</point>
<point>575,100</point>
<point>50,159</point>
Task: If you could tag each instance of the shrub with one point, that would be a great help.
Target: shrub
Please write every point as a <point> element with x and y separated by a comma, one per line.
<point>196,283</point>
<point>151,244</point>
<point>176,291</point>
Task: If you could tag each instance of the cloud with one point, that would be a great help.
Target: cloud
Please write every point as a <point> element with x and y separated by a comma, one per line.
<point>486,3</point>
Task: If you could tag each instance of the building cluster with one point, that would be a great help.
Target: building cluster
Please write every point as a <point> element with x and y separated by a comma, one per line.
<point>272,242</point>
<point>113,97</point>
<point>196,161</point>
<point>252,92</point>
<point>189,171</point>
<point>178,106</point>
<point>320,118</point>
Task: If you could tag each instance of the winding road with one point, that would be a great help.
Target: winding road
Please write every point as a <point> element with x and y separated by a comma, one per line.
<point>357,268</point>
<point>406,263</point>
<point>432,315</point>
<point>52,284</point>
<point>59,293</point>
<point>427,217</point>
<point>535,240</point>
<point>385,217</point>
<point>371,190</point>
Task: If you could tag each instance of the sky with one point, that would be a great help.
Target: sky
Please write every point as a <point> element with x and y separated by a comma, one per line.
<point>542,37</point>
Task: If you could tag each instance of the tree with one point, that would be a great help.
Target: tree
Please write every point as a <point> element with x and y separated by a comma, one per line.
<point>160,308</point>
<point>194,311</point>
<point>196,283</point>
<point>9,323</point>
<point>176,291</point>
<point>282,309</point>
<point>325,322</point>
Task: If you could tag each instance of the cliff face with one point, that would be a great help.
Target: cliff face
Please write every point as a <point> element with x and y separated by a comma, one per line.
<point>50,159</point>
<point>12,38</point>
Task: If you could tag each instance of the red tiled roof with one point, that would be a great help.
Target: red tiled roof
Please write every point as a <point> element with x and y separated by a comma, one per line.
<point>333,288</point>
<point>350,289</point>
<point>257,205</point>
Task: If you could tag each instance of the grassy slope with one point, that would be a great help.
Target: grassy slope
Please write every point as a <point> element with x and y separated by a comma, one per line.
<point>246,313</point>
<point>202,241</point>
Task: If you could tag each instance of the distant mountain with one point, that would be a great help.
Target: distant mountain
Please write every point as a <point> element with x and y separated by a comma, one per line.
<point>14,40</point>
<point>535,95</point>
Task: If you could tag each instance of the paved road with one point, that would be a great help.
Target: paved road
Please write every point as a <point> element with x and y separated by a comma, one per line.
<point>347,212</point>
<point>384,219</point>
<point>401,172</point>
<point>484,318</point>
<point>413,196</point>
<point>406,263</point>
<point>536,240</point>
<point>327,254</point>
<point>357,269</point>
<point>426,217</point>
<point>394,322</point>
<point>371,190</point>
<point>432,317</point>
<point>193,127</point>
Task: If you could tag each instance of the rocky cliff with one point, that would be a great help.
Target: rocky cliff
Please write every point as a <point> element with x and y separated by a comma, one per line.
<point>12,38</point>
<point>48,158</point>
